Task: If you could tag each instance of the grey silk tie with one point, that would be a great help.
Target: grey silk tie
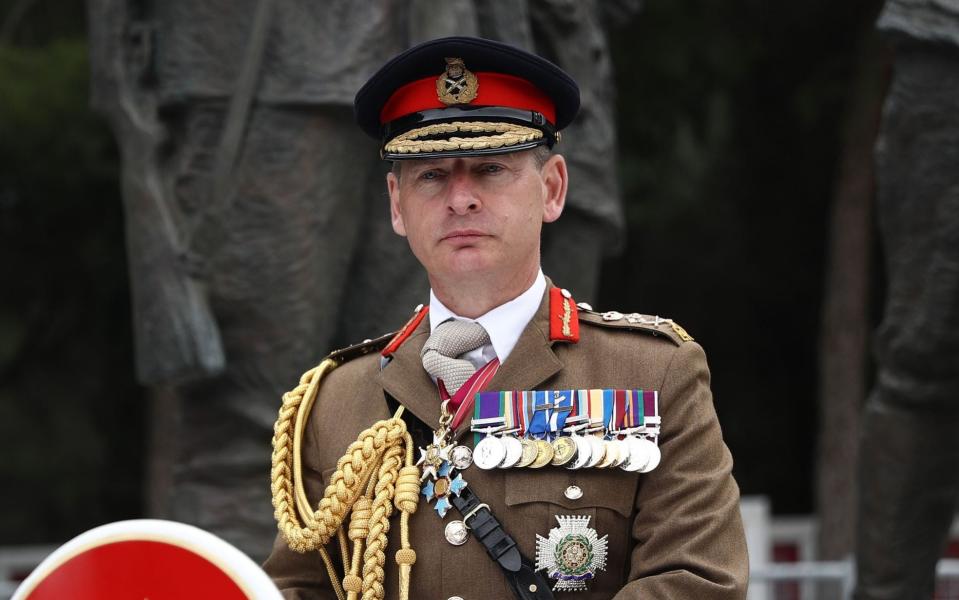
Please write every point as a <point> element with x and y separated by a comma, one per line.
<point>449,340</point>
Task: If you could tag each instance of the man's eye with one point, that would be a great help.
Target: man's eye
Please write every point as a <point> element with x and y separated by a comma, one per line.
<point>429,175</point>
<point>491,168</point>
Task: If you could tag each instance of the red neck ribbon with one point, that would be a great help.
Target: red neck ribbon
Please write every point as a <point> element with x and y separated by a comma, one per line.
<point>461,404</point>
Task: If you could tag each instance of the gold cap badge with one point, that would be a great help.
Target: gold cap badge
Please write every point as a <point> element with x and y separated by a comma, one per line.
<point>457,85</point>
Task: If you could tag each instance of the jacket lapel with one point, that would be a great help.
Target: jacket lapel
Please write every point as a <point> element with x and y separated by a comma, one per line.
<point>405,379</point>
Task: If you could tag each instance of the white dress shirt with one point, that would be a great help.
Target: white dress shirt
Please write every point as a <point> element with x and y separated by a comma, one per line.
<point>504,323</point>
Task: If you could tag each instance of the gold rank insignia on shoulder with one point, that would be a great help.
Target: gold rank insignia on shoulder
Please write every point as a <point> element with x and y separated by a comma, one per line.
<point>638,322</point>
<point>680,331</point>
<point>457,85</point>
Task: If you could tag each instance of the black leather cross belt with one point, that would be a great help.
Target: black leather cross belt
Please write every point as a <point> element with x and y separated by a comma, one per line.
<point>520,573</point>
<point>525,581</point>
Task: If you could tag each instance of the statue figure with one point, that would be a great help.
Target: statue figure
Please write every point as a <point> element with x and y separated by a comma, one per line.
<point>909,452</point>
<point>254,234</point>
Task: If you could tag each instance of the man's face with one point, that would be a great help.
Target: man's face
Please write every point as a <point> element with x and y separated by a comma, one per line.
<point>477,216</point>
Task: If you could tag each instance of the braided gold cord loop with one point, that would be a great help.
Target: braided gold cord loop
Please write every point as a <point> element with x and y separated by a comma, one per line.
<point>374,558</point>
<point>378,463</point>
<point>498,135</point>
<point>408,489</point>
<point>360,519</point>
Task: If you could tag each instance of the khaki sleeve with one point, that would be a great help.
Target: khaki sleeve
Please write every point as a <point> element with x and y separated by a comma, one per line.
<point>688,529</point>
<point>303,576</point>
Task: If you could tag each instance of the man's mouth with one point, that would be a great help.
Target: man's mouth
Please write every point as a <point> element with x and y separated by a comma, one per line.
<point>463,235</point>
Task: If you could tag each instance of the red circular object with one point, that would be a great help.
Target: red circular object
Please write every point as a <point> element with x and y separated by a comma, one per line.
<point>147,570</point>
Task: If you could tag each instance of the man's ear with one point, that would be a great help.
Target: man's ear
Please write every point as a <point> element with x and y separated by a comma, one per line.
<point>555,181</point>
<point>396,217</point>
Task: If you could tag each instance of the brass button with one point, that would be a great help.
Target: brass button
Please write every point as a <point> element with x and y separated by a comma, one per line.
<point>573,492</point>
<point>455,598</point>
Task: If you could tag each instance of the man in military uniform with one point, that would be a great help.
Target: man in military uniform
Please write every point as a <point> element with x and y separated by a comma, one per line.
<point>596,466</point>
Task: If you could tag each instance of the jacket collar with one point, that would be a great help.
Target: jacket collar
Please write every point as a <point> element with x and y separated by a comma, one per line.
<point>531,362</point>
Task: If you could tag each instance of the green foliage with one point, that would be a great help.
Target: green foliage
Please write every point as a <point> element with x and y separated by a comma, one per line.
<point>44,117</point>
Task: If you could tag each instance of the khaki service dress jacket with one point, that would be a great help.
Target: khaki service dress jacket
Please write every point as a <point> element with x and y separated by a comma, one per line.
<point>673,533</point>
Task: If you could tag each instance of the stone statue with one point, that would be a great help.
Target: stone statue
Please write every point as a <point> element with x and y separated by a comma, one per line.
<point>256,229</point>
<point>909,453</point>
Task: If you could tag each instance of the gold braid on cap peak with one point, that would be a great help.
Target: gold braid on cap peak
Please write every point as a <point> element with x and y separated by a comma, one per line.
<point>375,474</point>
<point>501,135</point>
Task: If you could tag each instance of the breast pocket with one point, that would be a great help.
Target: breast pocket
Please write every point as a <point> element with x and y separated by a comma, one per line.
<point>607,497</point>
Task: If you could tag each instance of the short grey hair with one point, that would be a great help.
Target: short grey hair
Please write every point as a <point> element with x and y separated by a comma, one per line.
<point>541,154</point>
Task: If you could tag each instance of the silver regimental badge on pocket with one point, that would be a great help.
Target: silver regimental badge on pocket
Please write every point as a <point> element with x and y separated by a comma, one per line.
<point>572,554</point>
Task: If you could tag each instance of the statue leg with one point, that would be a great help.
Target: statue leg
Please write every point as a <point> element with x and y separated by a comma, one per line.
<point>386,281</point>
<point>909,461</point>
<point>909,452</point>
<point>275,260</point>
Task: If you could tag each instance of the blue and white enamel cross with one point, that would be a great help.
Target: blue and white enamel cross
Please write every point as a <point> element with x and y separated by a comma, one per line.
<point>437,473</point>
<point>441,486</point>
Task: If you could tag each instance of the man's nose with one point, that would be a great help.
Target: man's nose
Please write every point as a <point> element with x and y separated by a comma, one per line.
<point>462,198</point>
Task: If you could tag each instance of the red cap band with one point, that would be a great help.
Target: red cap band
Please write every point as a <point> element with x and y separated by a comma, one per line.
<point>495,89</point>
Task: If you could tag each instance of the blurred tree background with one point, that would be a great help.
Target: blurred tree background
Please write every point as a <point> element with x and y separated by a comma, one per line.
<point>731,119</point>
<point>71,415</point>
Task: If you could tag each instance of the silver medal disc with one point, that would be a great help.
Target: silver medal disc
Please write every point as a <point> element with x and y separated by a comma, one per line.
<point>514,452</point>
<point>456,533</point>
<point>597,450</point>
<point>584,452</point>
<point>489,453</point>
<point>638,455</point>
<point>654,456</point>
<point>623,448</point>
<point>461,457</point>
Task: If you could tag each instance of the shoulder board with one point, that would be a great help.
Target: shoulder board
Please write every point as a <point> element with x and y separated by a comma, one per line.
<point>653,325</point>
<point>387,344</point>
<point>357,350</point>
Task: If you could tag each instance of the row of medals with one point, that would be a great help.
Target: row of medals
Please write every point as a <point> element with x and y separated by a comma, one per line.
<point>582,448</point>
<point>628,449</point>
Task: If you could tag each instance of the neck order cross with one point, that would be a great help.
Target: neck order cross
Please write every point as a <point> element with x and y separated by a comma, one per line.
<point>449,340</point>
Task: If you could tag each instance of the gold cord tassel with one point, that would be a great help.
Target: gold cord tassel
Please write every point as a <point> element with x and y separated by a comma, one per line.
<point>375,474</point>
